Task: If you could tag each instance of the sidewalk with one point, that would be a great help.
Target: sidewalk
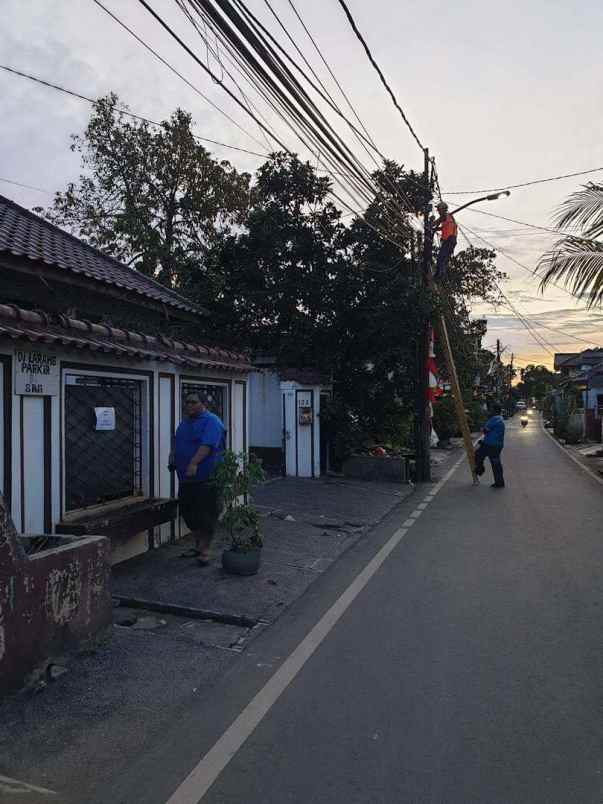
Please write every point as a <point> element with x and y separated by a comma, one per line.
<point>306,525</point>
<point>103,709</point>
<point>589,454</point>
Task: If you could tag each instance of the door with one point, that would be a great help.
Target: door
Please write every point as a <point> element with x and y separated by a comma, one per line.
<point>289,432</point>
<point>305,433</point>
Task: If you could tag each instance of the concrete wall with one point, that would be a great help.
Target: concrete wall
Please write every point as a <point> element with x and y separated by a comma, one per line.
<point>51,603</point>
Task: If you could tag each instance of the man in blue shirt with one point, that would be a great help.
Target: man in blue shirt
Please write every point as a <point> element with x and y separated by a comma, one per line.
<point>199,447</point>
<point>491,446</point>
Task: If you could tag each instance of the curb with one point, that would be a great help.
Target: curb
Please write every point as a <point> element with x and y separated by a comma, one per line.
<point>572,457</point>
<point>186,611</point>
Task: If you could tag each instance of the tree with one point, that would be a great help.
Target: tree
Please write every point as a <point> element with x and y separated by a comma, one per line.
<point>150,196</point>
<point>536,382</point>
<point>577,259</point>
<point>472,276</point>
<point>274,281</point>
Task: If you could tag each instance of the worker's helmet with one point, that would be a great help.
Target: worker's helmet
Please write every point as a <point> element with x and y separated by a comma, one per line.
<point>442,205</point>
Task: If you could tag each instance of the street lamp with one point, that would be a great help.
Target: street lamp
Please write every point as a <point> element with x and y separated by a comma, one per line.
<point>493,197</point>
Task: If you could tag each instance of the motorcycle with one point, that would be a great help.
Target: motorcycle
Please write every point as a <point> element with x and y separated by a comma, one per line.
<point>524,421</point>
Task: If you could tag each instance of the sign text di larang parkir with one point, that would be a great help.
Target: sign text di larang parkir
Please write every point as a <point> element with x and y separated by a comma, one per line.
<point>37,373</point>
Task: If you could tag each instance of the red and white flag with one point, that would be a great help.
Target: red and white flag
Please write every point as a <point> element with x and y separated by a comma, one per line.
<point>434,389</point>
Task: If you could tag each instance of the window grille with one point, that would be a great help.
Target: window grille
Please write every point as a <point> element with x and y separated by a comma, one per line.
<point>216,397</point>
<point>102,465</point>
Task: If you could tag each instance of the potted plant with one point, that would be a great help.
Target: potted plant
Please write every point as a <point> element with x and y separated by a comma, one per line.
<point>235,477</point>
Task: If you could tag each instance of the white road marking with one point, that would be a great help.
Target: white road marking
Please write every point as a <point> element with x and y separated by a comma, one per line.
<point>16,788</point>
<point>422,506</point>
<point>408,523</point>
<point>415,514</point>
<point>572,457</point>
<point>204,774</point>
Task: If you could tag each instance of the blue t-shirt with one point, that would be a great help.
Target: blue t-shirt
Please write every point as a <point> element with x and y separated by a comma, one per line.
<point>206,430</point>
<point>495,432</point>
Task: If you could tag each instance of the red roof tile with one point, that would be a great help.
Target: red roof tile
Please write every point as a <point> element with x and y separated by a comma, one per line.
<point>39,327</point>
<point>24,234</point>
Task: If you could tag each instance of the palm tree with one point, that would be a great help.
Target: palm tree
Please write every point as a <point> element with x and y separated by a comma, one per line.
<point>577,258</point>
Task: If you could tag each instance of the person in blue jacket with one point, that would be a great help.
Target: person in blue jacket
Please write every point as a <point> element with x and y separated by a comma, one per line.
<point>199,447</point>
<point>491,447</point>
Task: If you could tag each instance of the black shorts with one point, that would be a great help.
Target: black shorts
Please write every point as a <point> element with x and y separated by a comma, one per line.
<point>200,505</point>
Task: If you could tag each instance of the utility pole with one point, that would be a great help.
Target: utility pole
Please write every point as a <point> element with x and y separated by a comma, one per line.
<point>510,403</point>
<point>422,416</point>
<point>498,372</point>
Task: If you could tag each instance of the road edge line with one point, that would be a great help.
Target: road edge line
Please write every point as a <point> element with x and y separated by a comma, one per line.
<point>572,457</point>
<point>194,787</point>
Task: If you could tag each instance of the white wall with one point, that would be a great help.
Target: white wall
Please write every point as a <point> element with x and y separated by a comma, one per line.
<point>159,431</point>
<point>2,428</point>
<point>265,406</point>
<point>33,464</point>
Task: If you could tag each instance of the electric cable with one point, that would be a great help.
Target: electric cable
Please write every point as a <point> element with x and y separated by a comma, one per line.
<point>122,110</point>
<point>367,50</point>
<point>523,184</point>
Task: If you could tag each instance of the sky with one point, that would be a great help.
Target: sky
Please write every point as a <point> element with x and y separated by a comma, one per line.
<point>500,93</point>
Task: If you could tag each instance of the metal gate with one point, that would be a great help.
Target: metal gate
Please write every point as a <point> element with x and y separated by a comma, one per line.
<point>102,465</point>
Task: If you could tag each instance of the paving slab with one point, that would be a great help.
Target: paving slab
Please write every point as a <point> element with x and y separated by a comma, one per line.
<point>306,524</point>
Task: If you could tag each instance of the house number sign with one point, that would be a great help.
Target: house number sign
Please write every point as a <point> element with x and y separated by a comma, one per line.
<point>37,373</point>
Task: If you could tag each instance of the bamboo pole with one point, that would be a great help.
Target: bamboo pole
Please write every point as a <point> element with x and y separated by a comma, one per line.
<point>458,397</point>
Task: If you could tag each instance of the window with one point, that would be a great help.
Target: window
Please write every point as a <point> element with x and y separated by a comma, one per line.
<point>217,397</point>
<point>102,465</point>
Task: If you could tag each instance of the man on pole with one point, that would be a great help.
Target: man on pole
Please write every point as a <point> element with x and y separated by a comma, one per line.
<point>448,234</point>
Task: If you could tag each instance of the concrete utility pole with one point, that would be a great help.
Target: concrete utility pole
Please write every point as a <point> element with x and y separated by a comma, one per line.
<point>498,372</point>
<point>511,383</point>
<point>422,417</point>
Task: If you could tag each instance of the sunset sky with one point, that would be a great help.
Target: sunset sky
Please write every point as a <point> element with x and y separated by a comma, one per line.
<point>500,95</point>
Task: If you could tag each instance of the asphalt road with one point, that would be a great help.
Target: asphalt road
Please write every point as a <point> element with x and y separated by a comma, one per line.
<point>467,670</point>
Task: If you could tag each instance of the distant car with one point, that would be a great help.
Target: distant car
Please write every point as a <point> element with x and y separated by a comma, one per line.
<point>521,406</point>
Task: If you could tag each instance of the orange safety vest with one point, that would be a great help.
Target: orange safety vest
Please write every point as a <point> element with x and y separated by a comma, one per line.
<point>449,228</point>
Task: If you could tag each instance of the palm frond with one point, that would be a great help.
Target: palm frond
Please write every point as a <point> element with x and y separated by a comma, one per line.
<point>578,263</point>
<point>583,210</point>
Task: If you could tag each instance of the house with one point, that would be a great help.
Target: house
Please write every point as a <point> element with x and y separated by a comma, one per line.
<point>582,381</point>
<point>95,358</point>
<point>285,419</point>
<point>567,363</point>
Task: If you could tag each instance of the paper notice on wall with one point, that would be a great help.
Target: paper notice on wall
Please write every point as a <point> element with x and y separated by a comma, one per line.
<point>105,418</point>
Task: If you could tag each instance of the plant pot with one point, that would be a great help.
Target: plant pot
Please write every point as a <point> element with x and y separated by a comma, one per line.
<point>239,562</point>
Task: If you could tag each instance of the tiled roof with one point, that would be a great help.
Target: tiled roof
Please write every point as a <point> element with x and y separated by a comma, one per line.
<point>38,327</point>
<point>24,234</point>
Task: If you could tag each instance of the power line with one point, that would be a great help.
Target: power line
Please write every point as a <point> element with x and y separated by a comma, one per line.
<point>517,262</point>
<point>328,143</point>
<point>539,325</point>
<point>174,70</point>
<point>535,336</point>
<point>361,139</point>
<point>122,110</point>
<point>558,232</point>
<point>523,184</point>
<point>296,95</point>
<point>27,186</point>
<point>348,14</point>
